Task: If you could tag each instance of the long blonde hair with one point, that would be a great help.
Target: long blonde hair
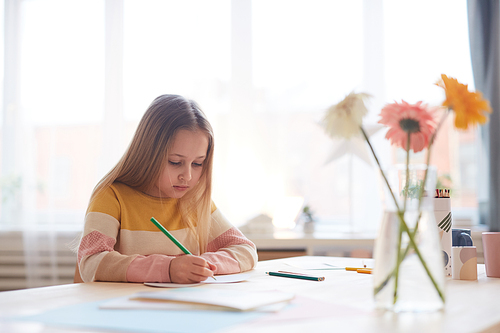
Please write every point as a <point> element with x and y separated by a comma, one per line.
<point>141,165</point>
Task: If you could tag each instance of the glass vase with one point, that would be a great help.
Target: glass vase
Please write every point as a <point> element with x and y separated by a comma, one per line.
<point>408,271</point>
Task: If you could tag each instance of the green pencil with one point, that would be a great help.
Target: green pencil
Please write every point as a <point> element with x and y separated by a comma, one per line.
<point>169,235</point>
<point>172,238</point>
<point>296,276</point>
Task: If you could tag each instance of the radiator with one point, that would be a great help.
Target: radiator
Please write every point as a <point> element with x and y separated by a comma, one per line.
<point>52,262</point>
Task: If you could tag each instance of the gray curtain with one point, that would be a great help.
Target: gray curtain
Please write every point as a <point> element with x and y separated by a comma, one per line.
<point>484,36</point>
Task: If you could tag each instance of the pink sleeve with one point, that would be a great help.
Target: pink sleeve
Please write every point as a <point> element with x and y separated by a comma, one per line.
<point>152,268</point>
<point>117,267</point>
<point>227,251</point>
<point>223,261</point>
<point>93,243</point>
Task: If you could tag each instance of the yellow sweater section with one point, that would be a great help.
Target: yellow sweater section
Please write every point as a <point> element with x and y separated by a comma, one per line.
<point>135,209</point>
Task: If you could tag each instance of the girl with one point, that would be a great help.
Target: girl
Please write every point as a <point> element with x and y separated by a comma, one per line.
<point>166,173</point>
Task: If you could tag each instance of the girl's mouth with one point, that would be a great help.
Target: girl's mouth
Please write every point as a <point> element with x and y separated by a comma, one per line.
<point>181,187</point>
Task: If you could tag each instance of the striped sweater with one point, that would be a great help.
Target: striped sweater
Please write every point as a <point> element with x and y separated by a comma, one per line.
<point>121,244</point>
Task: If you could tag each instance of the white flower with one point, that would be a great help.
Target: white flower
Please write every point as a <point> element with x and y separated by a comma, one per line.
<point>344,119</point>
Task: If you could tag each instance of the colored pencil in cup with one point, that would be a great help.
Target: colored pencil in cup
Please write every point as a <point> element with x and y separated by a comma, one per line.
<point>172,238</point>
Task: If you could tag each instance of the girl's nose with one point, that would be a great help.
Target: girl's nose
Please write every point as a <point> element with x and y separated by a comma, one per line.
<point>185,174</point>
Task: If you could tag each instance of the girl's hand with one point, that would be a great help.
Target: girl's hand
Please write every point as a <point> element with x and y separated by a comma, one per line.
<point>190,269</point>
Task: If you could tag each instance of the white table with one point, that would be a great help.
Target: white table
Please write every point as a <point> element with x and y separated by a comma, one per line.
<point>342,303</point>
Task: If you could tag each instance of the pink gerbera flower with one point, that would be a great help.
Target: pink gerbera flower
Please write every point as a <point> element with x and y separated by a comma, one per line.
<point>403,119</point>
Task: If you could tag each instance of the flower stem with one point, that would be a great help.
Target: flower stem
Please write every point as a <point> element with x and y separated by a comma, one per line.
<point>417,251</point>
<point>421,192</point>
<point>404,226</point>
<point>384,283</point>
<point>431,141</point>
<point>380,167</point>
<point>400,255</point>
<point>407,182</point>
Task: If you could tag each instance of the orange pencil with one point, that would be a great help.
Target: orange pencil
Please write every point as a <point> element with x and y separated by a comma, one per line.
<point>353,268</point>
<point>365,270</point>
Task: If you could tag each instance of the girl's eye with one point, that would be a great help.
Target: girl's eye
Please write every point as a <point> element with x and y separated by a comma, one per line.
<point>198,164</point>
<point>174,163</point>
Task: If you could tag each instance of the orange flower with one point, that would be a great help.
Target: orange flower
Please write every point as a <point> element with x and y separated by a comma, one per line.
<point>470,108</point>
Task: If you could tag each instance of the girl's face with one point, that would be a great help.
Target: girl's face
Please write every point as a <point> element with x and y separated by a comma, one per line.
<point>184,165</point>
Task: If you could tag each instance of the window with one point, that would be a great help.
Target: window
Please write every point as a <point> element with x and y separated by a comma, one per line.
<point>263,71</point>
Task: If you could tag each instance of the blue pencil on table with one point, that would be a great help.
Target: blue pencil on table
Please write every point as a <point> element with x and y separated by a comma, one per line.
<point>172,238</point>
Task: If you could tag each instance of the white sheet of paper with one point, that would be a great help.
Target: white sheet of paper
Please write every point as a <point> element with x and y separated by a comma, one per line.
<point>230,278</point>
<point>238,300</point>
<point>125,303</point>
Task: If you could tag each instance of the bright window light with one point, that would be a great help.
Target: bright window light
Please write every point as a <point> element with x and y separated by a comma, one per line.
<point>286,212</point>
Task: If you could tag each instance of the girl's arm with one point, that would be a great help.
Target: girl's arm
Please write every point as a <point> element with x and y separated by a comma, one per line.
<point>228,249</point>
<point>99,261</point>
